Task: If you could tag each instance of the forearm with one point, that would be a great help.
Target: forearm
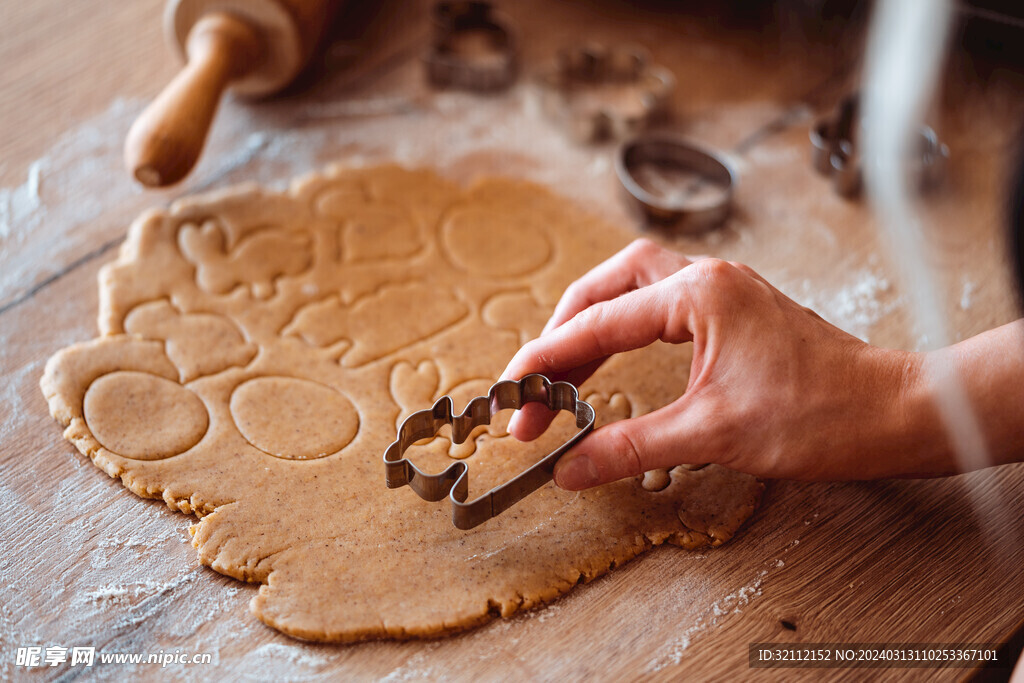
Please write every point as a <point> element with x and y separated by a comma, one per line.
<point>989,371</point>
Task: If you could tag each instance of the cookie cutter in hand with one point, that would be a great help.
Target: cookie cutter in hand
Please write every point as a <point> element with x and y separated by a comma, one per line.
<point>835,153</point>
<point>447,68</point>
<point>578,69</point>
<point>700,195</point>
<point>454,481</point>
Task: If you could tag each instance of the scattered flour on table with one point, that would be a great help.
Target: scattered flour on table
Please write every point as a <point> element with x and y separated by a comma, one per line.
<point>21,203</point>
<point>542,614</point>
<point>374,106</point>
<point>730,604</point>
<point>65,190</point>
<point>856,307</point>
<point>22,359</point>
<point>284,662</point>
<point>421,666</point>
<point>12,408</point>
<point>709,616</point>
<point>126,594</point>
<point>775,155</point>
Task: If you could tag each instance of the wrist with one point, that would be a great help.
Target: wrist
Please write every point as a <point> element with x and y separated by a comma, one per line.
<point>900,434</point>
<point>920,445</point>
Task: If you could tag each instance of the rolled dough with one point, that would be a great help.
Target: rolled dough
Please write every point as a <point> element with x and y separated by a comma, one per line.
<point>257,350</point>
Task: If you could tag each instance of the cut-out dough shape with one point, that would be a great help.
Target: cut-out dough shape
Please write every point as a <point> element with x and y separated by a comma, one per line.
<point>257,259</point>
<point>516,311</point>
<point>413,386</point>
<point>189,337</point>
<point>391,319</point>
<point>370,230</point>
<point>417,388</point>
<point>610,408</point>
<point>117,404</point>
<point>484,242</point>
<point>461,395</point>
<point>241,445</point>
<point>293,418</point>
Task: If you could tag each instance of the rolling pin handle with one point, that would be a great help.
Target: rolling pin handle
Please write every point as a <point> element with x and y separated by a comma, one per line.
<point>167,139</point>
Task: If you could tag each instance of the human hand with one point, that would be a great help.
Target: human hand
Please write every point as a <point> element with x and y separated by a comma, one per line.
<point>774,390</point>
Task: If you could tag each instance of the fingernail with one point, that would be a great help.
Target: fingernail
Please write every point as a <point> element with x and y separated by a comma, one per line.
<point>575,472</point>
<point>512,422</point>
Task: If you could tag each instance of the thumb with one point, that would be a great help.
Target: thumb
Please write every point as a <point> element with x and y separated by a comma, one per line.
<point>627,448</point>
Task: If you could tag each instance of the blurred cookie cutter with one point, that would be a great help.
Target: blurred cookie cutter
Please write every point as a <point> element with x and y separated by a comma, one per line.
<point>446,68</point>
<point>454,481</point>
<point>680,208</point>
<point>835,153</point>
<point>577,69</point>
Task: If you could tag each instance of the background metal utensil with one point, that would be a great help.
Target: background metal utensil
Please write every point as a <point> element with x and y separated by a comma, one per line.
<point>449,66</point>
<point>676,181</point>
<point>835,151</point>
<point>572,85</point>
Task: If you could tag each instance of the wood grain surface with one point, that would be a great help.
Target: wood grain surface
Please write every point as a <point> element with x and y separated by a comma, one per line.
<point>84,562</point>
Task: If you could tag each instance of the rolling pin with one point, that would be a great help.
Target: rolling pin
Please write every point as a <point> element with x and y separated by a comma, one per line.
<point>253,47</point>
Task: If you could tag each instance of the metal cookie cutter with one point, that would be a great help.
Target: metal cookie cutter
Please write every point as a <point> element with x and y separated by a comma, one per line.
<point>449,65</point>
<point>676,181</point>
<point>572,85</point>
<point>454,481</point>
<point>834,151</point>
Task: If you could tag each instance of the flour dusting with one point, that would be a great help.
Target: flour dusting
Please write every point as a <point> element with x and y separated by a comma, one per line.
<point>284,661</point>
<point>859,305</point>
<point>21,204</point>
<point>730,604</point>
<point>65,190</point>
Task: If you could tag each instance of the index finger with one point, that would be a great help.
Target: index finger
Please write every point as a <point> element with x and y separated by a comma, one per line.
<point>533,419</point>
<point>631,321</point>
<point>640,264</point>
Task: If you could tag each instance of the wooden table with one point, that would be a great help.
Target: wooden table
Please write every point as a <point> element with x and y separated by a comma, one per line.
<point>84,562</point>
